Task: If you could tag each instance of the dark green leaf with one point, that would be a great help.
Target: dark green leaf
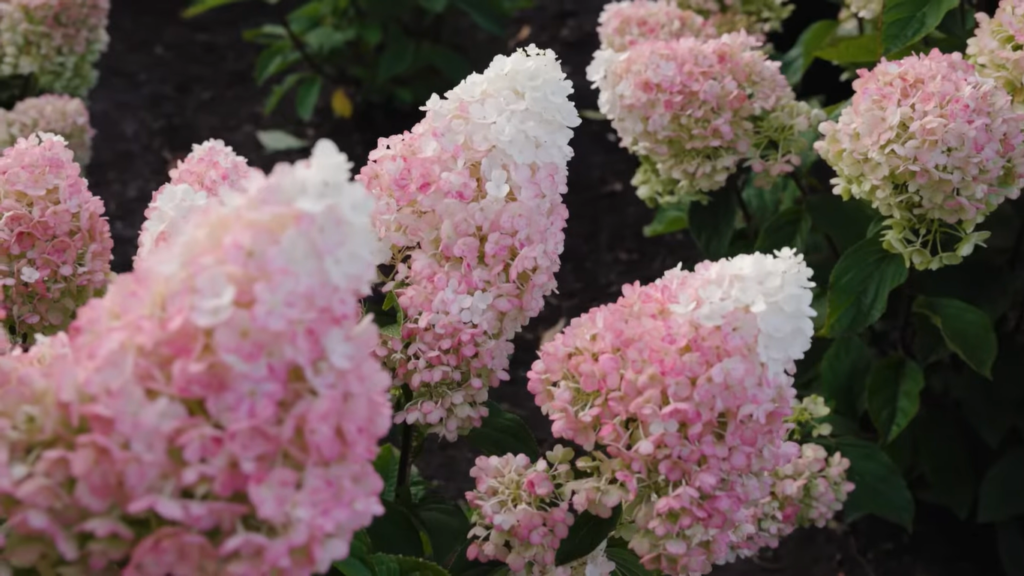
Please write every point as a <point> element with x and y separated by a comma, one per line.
<point>201,6</point>
<point>306,96</point>
<point>907,21</point>
<point>880,488</point>
<point>278,92</point>
<point>845,222</point>
<point>274,60</point>
<point>453,65</point>
<point>585,535</point>
<point>398,55</point>
<point>894,395</point>
<point>486,13</point>
<point>860,285</point>
<point>436,6</point>
<point>503,433</point>
<point>1002,491</point>
<point>396,532</point>
<point>796,62</point>
<point>353,567</point>
<point>929,346</point>
<point>668,218</point>
<point>267,33</point>
<point>392,330</point>
<point>788,229</point>
<point>1011,547</point>
<point>386,464</point>
<point>946,461</point>
<point>844,372</point>
<point>397,565</point>
<point>361,547</point>
<point>968,331</point>
<point>626,563</point>
<point>446,526</point>
<point>712,224</point>
<point>865,49</point>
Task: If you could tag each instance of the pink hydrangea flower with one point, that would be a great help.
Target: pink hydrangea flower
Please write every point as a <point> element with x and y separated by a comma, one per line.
<point>55,244</point>
<point>520,512</point>
<point>470,202</point>
<point>997,48</point>
<point>222,405</point>
<point>626,23</point>
<point>65,116</point>
<point>212,169</point>
<point>686,385</point>
<point>57,41</point>
<point>811,489</point>
<point>934,147</point>
<point>695,110</point>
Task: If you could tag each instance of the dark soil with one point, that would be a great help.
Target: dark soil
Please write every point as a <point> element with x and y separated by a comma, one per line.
<point>167,84</point>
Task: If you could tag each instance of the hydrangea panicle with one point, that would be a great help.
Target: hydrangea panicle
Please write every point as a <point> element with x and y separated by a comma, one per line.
<point>226,399</point>
<point>65,116</point>
<point>997,47</point>
<point>55,244</point>
<point>57,41</point>
<point>626,23</point>
<point>211,170</point>
<point>695,110</point>
<point>686,384</point>
<point>470,202</point>
<point>932,146</point>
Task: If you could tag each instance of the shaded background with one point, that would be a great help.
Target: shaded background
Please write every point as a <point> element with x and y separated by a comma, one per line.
<point>167,83</point>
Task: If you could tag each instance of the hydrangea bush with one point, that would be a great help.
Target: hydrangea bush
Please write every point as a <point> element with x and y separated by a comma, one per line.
<point>252,397</point>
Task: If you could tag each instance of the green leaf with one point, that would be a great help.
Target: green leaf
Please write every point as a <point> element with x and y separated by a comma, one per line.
<point>860,285</point>
<point>894,395</point>
<point>353,567</point>
<point>880,489</point>
<point>306,97</point>
<point>594,115</point>
<point>712,224</point>
<point>453,65</point>
<point>503,433</point>
<point>392,330</point>
<point>399,51</point>
<point>280,141</point>
<point>928,345</point>
<point>968,331</point>
<point>1011,547</point>
<point>946,461</point>
<point>397,565</point>
<point>789,228</point>
<point>1002,491</point>
<point>274,60</point>
<point>386,464</point>
<point>396,532</point>
<point>486,13</point>
<point>668,218</point>
<point>626,563</point>
<point>845,222</point>
<point>844,372</point>
<point>907,21</point>
<point>202,6</point>
<point>799,58</point>
<point>447,527</point>
<point>279,91</point>
<point>866,49</point>
<point>435,6</point>
<point>585,535</point>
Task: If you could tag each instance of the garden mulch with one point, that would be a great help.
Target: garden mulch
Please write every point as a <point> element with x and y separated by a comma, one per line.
<point>167,83</point>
